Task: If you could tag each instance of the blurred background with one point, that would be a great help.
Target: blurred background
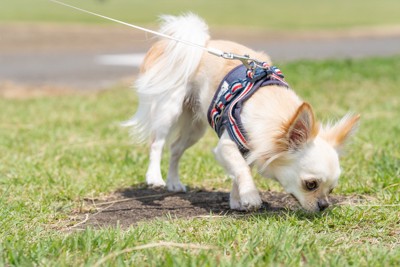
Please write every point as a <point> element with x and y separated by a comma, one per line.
<point>46,45</point>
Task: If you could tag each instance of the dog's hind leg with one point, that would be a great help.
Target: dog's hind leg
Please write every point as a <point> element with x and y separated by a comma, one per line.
<point>168,110</point>
<point>190,130</point>
<point>153,174</point>
<point>244,195</point>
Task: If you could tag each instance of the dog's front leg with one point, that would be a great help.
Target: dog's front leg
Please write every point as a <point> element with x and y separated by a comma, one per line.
<point>244,194</point>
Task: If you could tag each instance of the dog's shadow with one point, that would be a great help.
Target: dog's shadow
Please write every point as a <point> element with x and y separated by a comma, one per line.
<point>194,200</point>
<point>138,203</point>
<point>212,201</point>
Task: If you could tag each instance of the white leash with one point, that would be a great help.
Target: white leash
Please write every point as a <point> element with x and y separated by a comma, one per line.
<point>216,52</point>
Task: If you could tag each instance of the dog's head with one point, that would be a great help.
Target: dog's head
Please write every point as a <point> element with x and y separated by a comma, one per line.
<point>308,165</point>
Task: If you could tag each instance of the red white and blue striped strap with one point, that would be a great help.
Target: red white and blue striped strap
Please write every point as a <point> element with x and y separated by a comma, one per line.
<point>233,91</point>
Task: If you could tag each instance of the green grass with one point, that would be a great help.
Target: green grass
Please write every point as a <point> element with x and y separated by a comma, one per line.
<point>278,15</point>
<point>55,151</point>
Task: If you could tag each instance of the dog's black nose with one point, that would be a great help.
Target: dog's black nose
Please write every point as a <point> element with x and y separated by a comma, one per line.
<point>322,204</point>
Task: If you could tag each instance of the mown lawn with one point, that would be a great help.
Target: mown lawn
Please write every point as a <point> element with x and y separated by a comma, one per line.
<point>277,15</point>
<point>55,151</point>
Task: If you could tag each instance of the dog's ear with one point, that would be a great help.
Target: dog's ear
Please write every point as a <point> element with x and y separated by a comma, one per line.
<point>338,134</point>
<point>301,128</point>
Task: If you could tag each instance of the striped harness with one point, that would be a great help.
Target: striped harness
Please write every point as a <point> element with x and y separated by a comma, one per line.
<point>237,86</point>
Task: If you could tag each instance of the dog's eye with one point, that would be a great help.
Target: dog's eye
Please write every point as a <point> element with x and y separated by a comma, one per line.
<point>311,185</point>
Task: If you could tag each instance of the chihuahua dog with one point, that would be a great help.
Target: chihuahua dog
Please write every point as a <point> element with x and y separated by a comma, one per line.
<point>180,88</point>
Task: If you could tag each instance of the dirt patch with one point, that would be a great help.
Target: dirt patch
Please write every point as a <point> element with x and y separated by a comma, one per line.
<point>30,38</point>
<point>50,37</point>
<point>131,205</point>
<point>12,90</point>
<point>65,55</point>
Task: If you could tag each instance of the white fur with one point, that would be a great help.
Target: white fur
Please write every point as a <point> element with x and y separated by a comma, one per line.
<point>176,87</point>
<point>165,85</point>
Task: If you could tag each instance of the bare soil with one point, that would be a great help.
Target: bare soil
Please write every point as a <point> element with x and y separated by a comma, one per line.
<point>39,56</point>
<point>129,206</point>
<point>47,37</point>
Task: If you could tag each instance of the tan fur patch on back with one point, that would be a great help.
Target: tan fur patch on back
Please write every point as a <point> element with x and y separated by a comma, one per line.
<point>151,57</point>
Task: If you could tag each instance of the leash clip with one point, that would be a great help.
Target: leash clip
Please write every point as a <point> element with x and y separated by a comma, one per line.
<point>247,61</point>
<point>250,63</point>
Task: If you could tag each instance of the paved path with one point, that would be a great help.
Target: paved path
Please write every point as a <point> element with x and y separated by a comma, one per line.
<point>103,66</point>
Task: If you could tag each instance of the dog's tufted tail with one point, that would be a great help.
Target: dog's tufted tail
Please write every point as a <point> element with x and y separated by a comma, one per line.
<point>165,74</point>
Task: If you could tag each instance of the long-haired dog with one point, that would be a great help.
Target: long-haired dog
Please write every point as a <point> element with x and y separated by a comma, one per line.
<point>177,91</point>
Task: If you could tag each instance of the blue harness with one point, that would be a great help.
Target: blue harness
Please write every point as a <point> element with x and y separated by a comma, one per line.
<point>237,86</point>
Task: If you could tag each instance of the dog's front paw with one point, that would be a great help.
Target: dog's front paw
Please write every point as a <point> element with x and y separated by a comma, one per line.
<point>176,187</point>
<point>235,204</point>
<point>234,199</point>
<point>250,201</point>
